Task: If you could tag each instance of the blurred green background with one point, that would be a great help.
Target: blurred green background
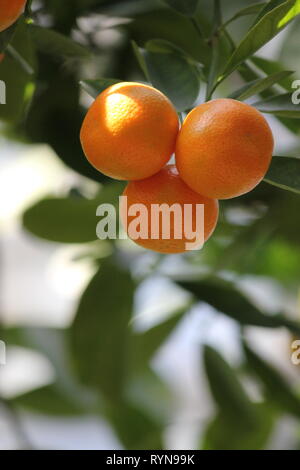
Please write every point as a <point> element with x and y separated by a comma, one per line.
<point>110,346</point>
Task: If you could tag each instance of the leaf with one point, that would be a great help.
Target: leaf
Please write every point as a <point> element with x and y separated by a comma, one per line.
<point>186,7</point>
<point>172,73</point>
<point>6,36</point>
<point>49,400</point>
<point>222,434</point>
<point>173,27</point>
<point>289,54</point>
<point>95,87</point>
<point>278,390</point>
<point>284,173</point>
<point>224,297</point>
<point>18,82</point>
<point>227,391</point>
<point>257,86</point>
<point>100,332</point>
<point>136,429</point>
<point>145,344</point>
<point>280,105</point>
<point>70,219</point>
<point>262,32</point>
<point>138,52</point>
<point>250,10</point>
<point>221,50</point>
<point>55,117</point>
<point>271,67</point>
<point>52,42</point>
<point>268,7</point>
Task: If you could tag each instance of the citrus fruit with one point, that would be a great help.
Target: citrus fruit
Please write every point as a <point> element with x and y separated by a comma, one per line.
<point>163,190</point>
<point>130,131</point>
<point>10,10</point>
<point>224,148</point>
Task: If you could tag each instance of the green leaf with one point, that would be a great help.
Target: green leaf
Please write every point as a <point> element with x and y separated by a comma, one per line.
<point>277,389</point>
<point>171,71</point>
<point>54,43</point>
<point>222,434</point>
<point>100,332</point>
<point>227,391</point>
<point>221,50</point>
<point>95,87</point>
<point>19,82</point>
<point>186,7</point>
<point>250,10</point>
<point>289,54</point>
<point>6,36</point>
<point>269,7</point>
<point>138,52</point>
<point>257,86</point>
<point>284,173</point>
<point>145,344</point>
<point>225,297</point>
<point>279,105</point>
<point>271,67</point>
<point>262,32</point>
<point>173,27</point>
<point>136,429</point>
<point>70,219</point>
<point>49,400</point>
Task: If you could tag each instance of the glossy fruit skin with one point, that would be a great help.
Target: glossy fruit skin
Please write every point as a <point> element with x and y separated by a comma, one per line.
<point>224,148</point>
<point>166,187</point>
<point>10,10</point>
<point>130,131</point>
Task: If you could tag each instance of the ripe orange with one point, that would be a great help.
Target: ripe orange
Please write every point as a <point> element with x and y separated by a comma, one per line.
<point>10,10</point>
<point>130,131</point>
<point>166,187</point>
<point>224,148</point>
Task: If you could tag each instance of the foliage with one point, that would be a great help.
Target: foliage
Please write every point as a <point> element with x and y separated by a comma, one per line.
<point>184,48</point>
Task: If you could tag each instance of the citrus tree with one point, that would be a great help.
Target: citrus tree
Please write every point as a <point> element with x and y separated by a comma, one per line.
<point>53,61</point>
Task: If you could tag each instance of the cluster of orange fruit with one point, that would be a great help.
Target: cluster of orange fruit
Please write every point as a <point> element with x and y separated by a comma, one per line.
<point>222,150</point>
<point>10,10</point>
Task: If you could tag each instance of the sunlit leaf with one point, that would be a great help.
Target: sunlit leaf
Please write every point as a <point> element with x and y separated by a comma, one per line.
<point>267,27</point>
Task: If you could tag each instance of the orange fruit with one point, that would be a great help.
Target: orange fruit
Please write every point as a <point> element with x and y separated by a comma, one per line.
<point>166,187</point>
<point>130,131</point>
<point>224,148</point>
<point>10,10</point>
